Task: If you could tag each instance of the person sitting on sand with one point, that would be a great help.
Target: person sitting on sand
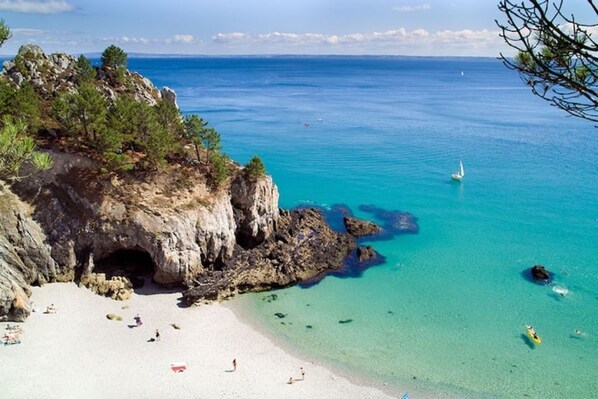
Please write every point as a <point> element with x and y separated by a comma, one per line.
<point>50,309</point>
<point>137,319</point>
<point>291,380</point>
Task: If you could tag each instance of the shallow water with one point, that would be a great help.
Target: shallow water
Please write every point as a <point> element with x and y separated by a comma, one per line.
<point>450,303</point>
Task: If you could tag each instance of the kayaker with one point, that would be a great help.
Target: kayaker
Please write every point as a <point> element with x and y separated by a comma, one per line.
<point>532,332</point>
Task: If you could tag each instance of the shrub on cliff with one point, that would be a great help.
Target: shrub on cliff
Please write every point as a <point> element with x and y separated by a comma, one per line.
<point>220,168</point>
<point>85,72</point>
<point>82,113</point>
<point>255,169</point>
<point>17,148</point>
<point>114,57</point>
<point>4,32</point>
<point>195,127</point>
<point>21,103</point>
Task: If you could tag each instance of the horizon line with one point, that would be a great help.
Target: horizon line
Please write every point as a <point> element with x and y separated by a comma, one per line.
<point>134,54</point>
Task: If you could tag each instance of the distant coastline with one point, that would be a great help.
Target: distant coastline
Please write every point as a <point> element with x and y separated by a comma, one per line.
<point>97,55</point>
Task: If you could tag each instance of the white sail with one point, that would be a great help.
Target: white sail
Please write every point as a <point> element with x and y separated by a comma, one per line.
<point>462,171</point>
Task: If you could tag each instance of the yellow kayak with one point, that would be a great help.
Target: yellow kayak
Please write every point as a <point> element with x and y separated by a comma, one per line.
<point>533,335</point>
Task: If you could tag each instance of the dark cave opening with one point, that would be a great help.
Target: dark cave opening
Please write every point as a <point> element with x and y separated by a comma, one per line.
<point>135,264</point>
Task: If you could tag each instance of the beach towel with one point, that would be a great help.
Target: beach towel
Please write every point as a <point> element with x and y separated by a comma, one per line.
<point>178,367</point>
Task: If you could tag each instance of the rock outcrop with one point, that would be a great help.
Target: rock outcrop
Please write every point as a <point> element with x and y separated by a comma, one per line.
<point>256,209</point>
<point>365,253</point>
<point>184,227</point>
<point>539,273</point>
<point>302,247</point>
<point>24,256</point>
<point>359,227</point>
<point>57,73</point>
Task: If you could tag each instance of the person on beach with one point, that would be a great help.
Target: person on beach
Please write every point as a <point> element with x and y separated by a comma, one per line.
<point>302,373</point>
<point>290,380</point>
<point>137,319</point>
<point>50,309</point>
<point>234,364</point>
<point>157,335</point>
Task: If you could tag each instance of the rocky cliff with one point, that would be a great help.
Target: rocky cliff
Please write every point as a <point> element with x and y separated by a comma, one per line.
<point>56,73</point>
<point>213,243</point>
<point>79,222</point>
<point>24,256</point>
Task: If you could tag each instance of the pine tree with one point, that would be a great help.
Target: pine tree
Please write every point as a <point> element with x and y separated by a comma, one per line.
<point>83,113</point>
<point>219,164</point>
<point>255,169</point>
<point>17,148</point>
<point>85,72</point>
<point>5,33</point>
<point>194,128</point>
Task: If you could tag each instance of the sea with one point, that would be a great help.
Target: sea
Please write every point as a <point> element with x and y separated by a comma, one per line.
<point>444,313</point>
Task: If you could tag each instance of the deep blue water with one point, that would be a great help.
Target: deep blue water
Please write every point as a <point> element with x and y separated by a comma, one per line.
<point>449,305</point>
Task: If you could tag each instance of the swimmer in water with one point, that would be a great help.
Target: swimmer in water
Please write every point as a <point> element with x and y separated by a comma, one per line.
<point>580,333</point>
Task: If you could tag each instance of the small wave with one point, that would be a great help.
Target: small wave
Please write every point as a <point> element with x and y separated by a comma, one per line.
<point>562,291</point>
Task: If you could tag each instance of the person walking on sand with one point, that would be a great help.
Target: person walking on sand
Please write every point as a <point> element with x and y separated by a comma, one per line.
<point>302,373</point>
<point>157,335</point>
<point>137,320</point>
<point>234,364</point>
<point>290,380</point>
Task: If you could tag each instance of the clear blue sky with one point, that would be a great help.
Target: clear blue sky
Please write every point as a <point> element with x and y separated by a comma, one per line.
<point>407,27</point>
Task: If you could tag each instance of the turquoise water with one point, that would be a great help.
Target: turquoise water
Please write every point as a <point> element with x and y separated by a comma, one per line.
<point>450,304</point>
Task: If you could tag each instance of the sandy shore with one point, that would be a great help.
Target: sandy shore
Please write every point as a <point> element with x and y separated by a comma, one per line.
<point>78,353</point>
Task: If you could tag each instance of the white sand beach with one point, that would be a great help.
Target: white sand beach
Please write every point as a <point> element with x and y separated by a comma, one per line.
<point>78,353</point>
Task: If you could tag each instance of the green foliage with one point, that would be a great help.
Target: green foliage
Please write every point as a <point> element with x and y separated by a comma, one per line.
<point>21,103</point>
<point>17,148</point>
<point>154,139</point>
<point>118,161</point>
<point>114,58</point>
<point>211,140</point>
<point>85,71</point>
<point>220,167</point>
<point>124,119</point>
<point>194,128</point>
<point>4,32</point>
<point>170,118</point>
<point>82,113</point>
<point>255,169</point>
<point>556,52</point>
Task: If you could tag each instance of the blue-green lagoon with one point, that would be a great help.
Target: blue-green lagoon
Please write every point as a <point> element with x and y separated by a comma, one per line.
<point>446,312</point>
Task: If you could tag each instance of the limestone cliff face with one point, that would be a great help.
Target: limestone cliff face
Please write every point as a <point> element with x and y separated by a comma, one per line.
<point>182,225</point>
<point>24,256</point>
<point>256,206</point>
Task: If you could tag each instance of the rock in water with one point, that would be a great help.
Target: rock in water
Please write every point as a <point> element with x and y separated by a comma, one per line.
<point>539,273</point>
<point>365,253</point>
<point>359,227</point>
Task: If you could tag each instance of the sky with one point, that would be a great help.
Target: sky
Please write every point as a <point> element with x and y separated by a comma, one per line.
<point>246,27</point>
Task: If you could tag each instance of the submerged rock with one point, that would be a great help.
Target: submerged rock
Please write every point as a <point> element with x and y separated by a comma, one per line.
<point>365,253</point>
<point>359,227</point>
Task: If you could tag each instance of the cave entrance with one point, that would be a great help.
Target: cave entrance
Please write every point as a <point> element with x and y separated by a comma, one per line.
<point>135,264</point>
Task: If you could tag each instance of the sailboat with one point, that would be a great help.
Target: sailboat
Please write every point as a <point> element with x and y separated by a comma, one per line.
<point>460,174</point>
